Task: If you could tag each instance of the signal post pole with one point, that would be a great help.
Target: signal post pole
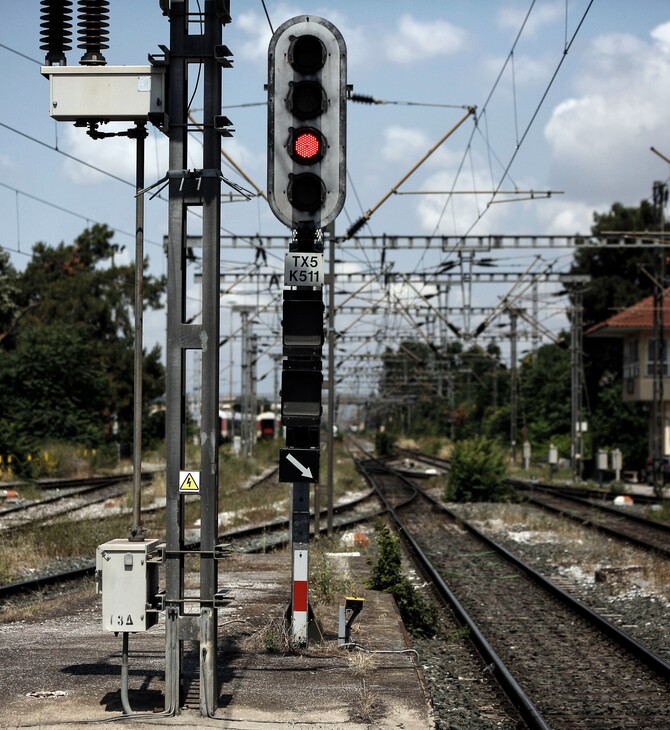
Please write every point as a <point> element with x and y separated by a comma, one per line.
<point>306,190</point>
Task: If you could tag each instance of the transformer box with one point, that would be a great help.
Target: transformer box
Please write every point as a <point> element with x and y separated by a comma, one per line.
<point>127,576</point>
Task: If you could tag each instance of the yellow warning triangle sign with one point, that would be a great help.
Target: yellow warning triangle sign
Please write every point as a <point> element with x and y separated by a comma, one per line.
<point>189,482</point>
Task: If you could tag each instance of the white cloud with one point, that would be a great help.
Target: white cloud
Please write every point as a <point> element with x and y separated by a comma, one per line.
<point>403,143</point>
<point>256,31</point>
<point>567,217</point>
<point>600,139</point>
<point>543,14</point>
<point>454,215</point>
<point>416,40</point>
<point>114,155</point>
<point>661,34</point>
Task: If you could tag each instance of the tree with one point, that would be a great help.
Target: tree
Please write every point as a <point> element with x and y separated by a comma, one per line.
<point>544,385</point>
<point>620,277</point>
<point>9,289</point>
<point>54,388</point>
<point>76,311</point>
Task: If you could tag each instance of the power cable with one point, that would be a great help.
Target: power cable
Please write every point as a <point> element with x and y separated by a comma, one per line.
<point>86,218</point>
<point>521,140</point>
<point>267,15</point>
<point>484,107</point>
<point>66,154</point>
<point>366,99</point>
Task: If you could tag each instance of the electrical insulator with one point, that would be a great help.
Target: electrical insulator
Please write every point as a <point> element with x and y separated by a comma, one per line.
<point>56,33</point>
<point>93,33</point>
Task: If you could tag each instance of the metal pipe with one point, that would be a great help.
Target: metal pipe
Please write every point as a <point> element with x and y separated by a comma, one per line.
<point>331,380</point>
<point>127,709</point>
<point>137,531</point>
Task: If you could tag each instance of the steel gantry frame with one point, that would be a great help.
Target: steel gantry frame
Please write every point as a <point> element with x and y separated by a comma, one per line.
<point>452,244</point>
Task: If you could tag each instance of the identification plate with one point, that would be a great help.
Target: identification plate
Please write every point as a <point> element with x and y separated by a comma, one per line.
<point>303,269</point>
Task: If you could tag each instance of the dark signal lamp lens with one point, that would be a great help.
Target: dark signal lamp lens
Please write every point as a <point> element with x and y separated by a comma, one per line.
<point>307,54</point>
<point>307,99</point>
<point>306,192</point>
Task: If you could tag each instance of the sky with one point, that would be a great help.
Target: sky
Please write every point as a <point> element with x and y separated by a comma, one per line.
<point>570,96</point>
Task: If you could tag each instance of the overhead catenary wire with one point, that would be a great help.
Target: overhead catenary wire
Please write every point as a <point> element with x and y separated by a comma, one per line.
<point>63,209</point>
<point>366,216</point>
<point>522,138</point>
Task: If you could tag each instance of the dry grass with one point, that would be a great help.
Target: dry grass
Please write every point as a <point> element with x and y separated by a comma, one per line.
<point>274,638</point>
<point>368,702</point>
<point>626,567</point>
<point>362,663</point>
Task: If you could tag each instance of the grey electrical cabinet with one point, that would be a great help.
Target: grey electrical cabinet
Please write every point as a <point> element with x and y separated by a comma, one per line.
<point>106,93</point>
<point>127,577</point>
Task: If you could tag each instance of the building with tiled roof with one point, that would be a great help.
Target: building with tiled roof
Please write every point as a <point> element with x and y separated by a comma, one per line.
<point>637,328</point>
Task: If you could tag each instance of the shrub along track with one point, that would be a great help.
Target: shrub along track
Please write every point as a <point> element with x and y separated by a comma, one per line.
<point>587,507</point>
<point>567,662</point>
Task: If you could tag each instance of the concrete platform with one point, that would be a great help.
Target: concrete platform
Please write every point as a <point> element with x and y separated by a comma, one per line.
<point>64,671</point>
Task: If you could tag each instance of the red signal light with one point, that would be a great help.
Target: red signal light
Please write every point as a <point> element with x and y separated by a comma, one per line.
<point>307,145</point>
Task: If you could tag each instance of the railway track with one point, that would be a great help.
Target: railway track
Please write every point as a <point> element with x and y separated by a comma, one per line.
<point>261,537</point>
<point>564,665</point>
<point>71,495</point>
<point>630,527</point>
<point>593,509</point>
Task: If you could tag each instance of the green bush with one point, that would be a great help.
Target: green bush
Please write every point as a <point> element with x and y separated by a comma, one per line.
<point>386,570</point>
<point>384,443</point>
<point>478,472</point>
<point>418,615</point>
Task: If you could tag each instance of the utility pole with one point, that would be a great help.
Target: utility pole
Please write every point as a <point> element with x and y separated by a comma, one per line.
<point>247,368</point>
<point>660,199</point>
<point>139,94</point>
<point>577,425</point>
<point>513,316</point>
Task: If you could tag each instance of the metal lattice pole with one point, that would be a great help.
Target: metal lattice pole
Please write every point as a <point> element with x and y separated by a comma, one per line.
<point>188,189</point>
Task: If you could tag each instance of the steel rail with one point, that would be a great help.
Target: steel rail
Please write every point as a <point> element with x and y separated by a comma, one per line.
<point>626,641</point>
<point>37,584</point>
<point>505,678</point>
<point>622,638</point>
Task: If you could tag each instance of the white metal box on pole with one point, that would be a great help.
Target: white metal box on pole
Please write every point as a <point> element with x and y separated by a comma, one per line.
<point>106,93</point>
<point>127,577</point>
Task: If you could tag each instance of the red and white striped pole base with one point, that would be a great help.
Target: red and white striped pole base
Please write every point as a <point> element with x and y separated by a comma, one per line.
<point>299,593</point>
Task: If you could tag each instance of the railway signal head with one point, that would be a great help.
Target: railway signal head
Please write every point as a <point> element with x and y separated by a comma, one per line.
<point>306,122</point>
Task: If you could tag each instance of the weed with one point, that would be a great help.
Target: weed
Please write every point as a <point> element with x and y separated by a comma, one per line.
<point>386,571</point>
<point>368,702</point>
<point>272,638</point>
<point>329,580</point>
<point>418,614</point>
<point>361,662</point>
<point>478,472</point>
<point>461,633</point>
<point>385,443</point>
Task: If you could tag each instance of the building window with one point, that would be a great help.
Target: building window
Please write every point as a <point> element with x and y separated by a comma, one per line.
<point>631,359</point>
<point>651,357</point>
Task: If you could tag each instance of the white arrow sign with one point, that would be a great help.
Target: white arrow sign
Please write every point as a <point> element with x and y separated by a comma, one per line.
<point>304,470</point>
